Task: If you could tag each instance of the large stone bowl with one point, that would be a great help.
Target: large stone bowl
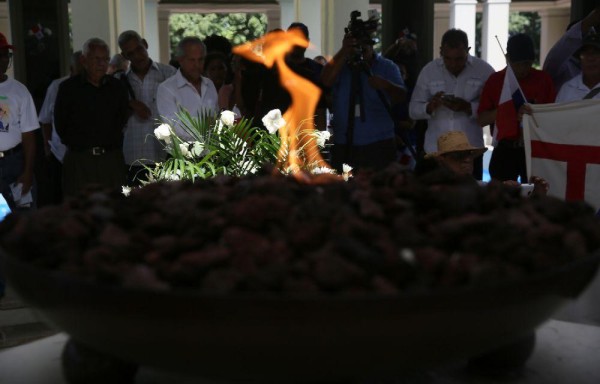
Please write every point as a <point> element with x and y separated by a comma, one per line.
<point>310,338</point>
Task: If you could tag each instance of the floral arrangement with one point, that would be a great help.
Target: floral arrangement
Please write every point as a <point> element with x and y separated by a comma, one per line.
<point>226,145</point>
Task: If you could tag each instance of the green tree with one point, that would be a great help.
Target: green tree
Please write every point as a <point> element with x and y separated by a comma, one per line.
<point>238,28</point>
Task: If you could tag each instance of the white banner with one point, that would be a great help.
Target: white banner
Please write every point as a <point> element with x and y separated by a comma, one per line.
<point>562,145</point>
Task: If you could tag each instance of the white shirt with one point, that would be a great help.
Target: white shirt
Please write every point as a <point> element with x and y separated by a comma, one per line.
<point>17,113</point>
<point>47,117</point>
<point>139,144</point>
<point>177,91</point>
<point>434,78</point>
<point>575,89</point>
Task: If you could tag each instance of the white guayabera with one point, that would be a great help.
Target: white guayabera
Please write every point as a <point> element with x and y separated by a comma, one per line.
<point>273,121</point>
<point>163,132</point>
<point>228,118</point>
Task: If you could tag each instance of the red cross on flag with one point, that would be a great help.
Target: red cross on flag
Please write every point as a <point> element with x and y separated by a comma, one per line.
<point>562,145</point>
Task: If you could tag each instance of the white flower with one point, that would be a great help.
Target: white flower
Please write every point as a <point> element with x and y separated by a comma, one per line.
<point>163,132</point>
<point>125,190</point>
<point>197,149</point>
<point>322,170</point>
<point>228,118</point>
<point>322,137</point>
<point>174,176</point>
<point>185,151</point>
<point>273,121</point>
<point>346,171</point>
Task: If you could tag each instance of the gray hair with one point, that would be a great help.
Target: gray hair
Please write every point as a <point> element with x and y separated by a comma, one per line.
<point>124,37</point>
<point>93,42</point>
<point>188,40</point>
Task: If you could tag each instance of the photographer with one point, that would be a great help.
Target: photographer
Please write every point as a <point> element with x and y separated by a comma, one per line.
<point>363,130</point>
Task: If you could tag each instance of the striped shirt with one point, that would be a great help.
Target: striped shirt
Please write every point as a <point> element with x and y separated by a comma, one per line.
<point>139,143</point>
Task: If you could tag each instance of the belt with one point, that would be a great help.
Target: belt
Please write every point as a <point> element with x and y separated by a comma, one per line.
<point>518,143</point>
<point>95,151</point>
<point>11,151</point>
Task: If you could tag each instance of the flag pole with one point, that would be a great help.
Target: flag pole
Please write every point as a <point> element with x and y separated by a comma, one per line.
<point>518,85</point>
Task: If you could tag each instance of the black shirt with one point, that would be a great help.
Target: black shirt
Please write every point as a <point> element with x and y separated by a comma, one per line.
<point>87,116</point>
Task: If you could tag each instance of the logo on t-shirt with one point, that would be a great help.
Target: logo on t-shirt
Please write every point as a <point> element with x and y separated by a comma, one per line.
<point>4,117</point>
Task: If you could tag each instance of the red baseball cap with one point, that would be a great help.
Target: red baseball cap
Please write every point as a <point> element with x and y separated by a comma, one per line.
<point>4,42</point>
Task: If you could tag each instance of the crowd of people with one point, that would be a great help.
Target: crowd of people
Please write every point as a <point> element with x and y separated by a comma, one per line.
<point>97,123</point>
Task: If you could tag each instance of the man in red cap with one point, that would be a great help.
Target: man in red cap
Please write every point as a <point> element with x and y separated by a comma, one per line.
<point>18,120</point>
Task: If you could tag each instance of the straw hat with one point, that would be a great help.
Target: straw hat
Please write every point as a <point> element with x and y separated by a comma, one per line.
<point>455,141</point>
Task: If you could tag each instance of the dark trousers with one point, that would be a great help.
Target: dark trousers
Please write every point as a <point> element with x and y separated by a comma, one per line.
<point>53,187</point>
<point>508,162</point>
<point>83,168</point>
<point>373,156</point>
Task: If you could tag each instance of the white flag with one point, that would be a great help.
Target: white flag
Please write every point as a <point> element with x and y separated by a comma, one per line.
<point>562,145</point>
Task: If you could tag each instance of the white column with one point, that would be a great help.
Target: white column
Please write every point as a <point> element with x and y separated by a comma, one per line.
<point>95,18</point>
<point>441,21</point>
<point>310,12</point>
<point>495,25</point>
<point>150,29</point>
<point>289,13</point>
<point>554,22</point>
<point>337,16</point>
<point>163,35</point>
<point>462,16</point>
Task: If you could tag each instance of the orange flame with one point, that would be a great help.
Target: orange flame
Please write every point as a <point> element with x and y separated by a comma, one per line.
<point>298,135</point>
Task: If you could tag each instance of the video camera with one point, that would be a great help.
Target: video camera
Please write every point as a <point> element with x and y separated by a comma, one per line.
<point>362,31</point>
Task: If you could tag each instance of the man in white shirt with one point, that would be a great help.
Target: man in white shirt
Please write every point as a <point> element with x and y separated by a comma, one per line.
<point>187,89</point>
<point>142,79</point>
<point>561,62</point>
<point>18,121</point>
<point>585,85</point>
<point>447,93</point>
<point>54,149</point>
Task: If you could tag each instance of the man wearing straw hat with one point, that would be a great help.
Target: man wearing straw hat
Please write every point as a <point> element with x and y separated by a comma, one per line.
<point>457,154</point>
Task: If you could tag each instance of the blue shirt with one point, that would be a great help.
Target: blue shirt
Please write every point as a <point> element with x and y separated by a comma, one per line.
<point>377,124</point>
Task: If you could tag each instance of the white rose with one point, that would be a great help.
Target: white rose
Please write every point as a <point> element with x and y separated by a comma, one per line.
<point>322,171</point>
<point>346,172</point>
<point>197,149</point>
<point>185,151</point>
<point>125,190</point>
<point>228,118</point>
<point>273,121</point>
<point>322,137</point>
<point>163,132</point>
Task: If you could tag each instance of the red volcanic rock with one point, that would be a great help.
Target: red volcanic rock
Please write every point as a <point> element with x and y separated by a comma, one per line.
<point>382,232</point>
